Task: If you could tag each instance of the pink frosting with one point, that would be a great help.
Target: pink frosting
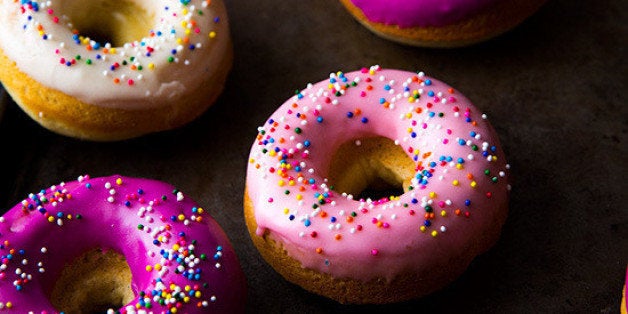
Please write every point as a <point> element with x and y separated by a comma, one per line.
<point>461,176</point>
<point>148,222</point>
<point>420,13</point>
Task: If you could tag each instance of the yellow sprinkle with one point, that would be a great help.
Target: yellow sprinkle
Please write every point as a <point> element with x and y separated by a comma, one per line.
<point>149,268</point>
<point>158,267</point>
<point>9,305</point>
<point>272,153</point>
<point>281,183</point>
<point>434,233</point>
<point>181,217</point>
<point>69,216</point>
<point>188,31</point>
<point>184,11</point>
<point>443,213</point>
<point>330,85</point>
<point>372,72</point>
<point>423,228</point>
<point>286,210</point>
<point>173,310</point>
<point>188,288</point>
<point>51,219</point>
<point>119,181</point>
<point>251,160</point>
<point>112,50</point>
<point>200,210</point>
<point>212,34</point>
<point>175,247</point>
<point>455,182</point>
<point>151,66</point>
<point>186,299</point>
<point>459,166</point>
<point>197,294</point>
<point>432,194</point>
<point>184,24</point>
<point>179,41</point>
<point>291,183</point>
<point>410,99</point>
<point>473,184</point>
<point>299,197</point>
<point>408,115</point>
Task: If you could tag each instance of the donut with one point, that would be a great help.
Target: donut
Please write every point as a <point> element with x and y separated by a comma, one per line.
<point>375,186</point>
<point>440,23</point>
<point>108,70</point>
<point>624,307</point>
<point>116,244</point>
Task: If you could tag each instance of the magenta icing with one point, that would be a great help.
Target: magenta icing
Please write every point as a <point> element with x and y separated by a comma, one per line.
<point>420,13</point>
<point>461,176</point>
<point>147,221</point>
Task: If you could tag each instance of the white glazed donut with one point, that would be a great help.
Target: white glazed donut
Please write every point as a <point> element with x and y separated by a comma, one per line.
<point>110,70</point>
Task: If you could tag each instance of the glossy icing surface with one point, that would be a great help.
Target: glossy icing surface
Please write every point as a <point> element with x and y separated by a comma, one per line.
<point>421,13</point>
<point>180,258</point>
<point>460,189</point>
<point>150,71</point>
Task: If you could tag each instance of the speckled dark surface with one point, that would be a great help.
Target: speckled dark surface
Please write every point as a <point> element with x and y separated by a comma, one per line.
<point>554,88</point>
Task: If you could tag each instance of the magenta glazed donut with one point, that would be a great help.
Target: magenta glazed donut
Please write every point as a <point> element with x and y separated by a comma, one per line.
<point>119,244</point>
<point>354,132</point>
<point>441,23</point>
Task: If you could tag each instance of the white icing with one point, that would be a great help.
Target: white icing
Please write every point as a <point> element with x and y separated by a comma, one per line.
<point>39,58</point>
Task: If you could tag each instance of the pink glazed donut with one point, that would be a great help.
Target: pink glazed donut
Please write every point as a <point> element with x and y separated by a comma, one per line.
<point>363,132</point>
<point>125,244</point>
<point>440,23</point>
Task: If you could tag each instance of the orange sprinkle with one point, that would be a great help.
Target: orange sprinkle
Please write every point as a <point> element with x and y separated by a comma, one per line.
<point>450,90</point>
<point>338,236</point>
<point>323,214</point>
<point>418,110</point>
<point>457,212</point>
<point>319,250</point>
<point>116,80</point>
<point>470,176</point>
<point>369,87</point>
<point>294,105</point>
<point>357,111</point>
<point>349,219</point>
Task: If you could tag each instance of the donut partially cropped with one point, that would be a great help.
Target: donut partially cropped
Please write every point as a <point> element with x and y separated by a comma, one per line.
<point>375,186</point>
<point>624,306</point>
<point>116,243</point>
<point>440,23</point>
<point>107,70</point>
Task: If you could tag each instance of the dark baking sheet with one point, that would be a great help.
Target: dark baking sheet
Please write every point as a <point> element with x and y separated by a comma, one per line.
<point>554,88</point>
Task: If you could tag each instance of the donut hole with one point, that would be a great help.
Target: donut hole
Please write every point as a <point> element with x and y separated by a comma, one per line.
<point>95,282</point>
<point>114,22</point>
<point>371,168</point>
